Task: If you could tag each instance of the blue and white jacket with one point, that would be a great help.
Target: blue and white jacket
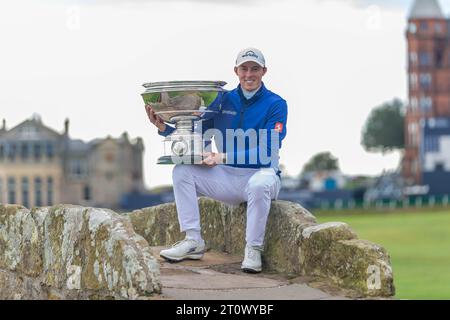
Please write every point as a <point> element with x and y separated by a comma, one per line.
<point>265,110</point>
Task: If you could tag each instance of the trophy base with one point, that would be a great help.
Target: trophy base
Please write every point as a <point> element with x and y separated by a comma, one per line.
<point>181,160</point>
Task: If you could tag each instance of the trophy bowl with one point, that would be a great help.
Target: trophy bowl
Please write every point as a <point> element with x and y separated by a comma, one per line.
<point>181,103</point>
<point>172,99</point>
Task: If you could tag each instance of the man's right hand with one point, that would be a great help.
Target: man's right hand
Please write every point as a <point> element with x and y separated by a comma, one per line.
<point>155,119</point>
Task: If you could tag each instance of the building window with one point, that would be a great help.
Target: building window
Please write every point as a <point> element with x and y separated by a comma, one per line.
<point>438,27</point>
<point>425,81</point>
<point>423,26</point>
<point>77,168</point>
<point>37,152</point>
<point>24,151</point>
<point>87,193</point>
<point>413,132</point>
<point>38,191</point>
<point>50,150</point>
<point>439,58</point>
<point>49,191</point>
<point>11,149</point>
<point>412,28</point>
<point>414,167</point>
<point>426,103</point>
<point>25,192</point>
<point>424,59</point>
<point>414,104</point>
<point>413,58</point>
<point>28,132</point>
<point>413,81</point>
<point>11,190</point>
<point>2,151</point>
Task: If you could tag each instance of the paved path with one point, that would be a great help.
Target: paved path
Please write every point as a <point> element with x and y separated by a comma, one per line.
<point>218,277</point>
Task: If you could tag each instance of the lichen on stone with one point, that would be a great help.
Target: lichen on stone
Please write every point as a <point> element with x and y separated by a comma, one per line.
<point>71,252</point>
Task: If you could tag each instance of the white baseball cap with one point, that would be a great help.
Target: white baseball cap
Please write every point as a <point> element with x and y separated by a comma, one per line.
<point>251,54</point>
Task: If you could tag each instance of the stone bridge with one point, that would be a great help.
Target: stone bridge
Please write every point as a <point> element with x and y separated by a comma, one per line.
<point>72,252</point>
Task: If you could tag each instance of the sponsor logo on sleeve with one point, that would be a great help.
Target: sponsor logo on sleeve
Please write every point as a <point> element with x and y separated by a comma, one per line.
<point>279,127</point>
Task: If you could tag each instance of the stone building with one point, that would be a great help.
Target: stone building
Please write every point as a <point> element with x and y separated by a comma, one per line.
<point>40,166</point>
<point>427,125</point>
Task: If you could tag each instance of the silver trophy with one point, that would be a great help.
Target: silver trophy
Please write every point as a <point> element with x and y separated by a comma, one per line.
<point>181,103</point>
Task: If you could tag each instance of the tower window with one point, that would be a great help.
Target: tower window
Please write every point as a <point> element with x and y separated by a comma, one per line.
<point>425,81</point>
<point>439,58</point>
<point>413,80</point>
<point>426,103</point>
<point>413,58</point>
<point>414,167</point>
<point>414,104</point>
<point>423,26</point>
<point>424,59</point>
<point>413,131</point>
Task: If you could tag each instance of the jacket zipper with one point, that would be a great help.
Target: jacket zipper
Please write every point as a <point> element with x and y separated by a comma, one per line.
<point>242,117</point>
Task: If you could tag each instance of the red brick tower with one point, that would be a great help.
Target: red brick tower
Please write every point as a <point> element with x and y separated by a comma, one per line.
<point>428,77</point>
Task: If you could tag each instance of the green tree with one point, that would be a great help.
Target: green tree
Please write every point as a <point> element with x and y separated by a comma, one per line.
<point>384,128</point>
<point>323,161</point>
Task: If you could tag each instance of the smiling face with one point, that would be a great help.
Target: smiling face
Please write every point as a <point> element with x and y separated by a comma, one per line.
<point>250,75</point>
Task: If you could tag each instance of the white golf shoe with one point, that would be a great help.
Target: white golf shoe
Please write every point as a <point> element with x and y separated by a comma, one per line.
<point>185,249</point>
<point>252,260</point>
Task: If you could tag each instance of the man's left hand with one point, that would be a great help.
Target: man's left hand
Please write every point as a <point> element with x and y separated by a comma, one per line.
<point>212,159</point>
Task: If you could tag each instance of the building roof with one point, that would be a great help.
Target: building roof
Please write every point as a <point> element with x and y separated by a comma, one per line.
<point>426,9</point>
<point>78,146</point>
<point>30,129</point>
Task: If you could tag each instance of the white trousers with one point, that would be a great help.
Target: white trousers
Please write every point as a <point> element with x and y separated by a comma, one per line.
<point>230,185</point>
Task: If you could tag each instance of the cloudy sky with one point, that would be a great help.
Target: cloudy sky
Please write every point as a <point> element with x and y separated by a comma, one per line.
<point>332,60</point>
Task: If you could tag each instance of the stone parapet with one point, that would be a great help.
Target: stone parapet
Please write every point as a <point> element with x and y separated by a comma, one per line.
<point>294,243</point>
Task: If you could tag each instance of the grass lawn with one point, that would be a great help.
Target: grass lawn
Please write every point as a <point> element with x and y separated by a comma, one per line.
<point>418,243</point>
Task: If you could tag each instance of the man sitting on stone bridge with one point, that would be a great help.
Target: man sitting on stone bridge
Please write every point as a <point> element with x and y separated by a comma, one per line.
<point>239,172</point>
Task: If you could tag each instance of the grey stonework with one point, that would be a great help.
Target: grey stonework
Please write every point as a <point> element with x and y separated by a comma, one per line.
<point>71,252</point>
<point>294,244</point>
